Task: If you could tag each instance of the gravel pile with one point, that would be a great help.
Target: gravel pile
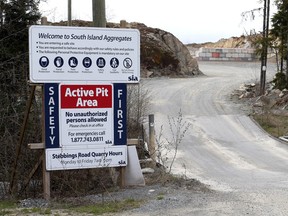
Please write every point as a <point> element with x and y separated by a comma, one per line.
<point>33,203</point>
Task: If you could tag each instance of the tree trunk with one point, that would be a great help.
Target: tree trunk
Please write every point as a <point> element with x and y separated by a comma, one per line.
<point>286,58</point>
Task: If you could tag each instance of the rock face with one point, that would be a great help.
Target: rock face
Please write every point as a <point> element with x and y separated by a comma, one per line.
<point>162,54</point>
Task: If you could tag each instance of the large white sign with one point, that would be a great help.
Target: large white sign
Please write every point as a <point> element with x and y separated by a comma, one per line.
<point>59,54</point>
<point>85,125</point>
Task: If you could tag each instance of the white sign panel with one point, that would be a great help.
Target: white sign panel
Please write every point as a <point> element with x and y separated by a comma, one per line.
<point>109,156</point>
<point>86,115</point>
<point>61,54</point>
<point>79,125</point>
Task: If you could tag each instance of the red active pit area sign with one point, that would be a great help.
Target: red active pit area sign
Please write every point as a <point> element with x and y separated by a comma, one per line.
<point>86,115</point>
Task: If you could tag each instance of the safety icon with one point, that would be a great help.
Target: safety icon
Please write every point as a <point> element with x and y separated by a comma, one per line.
<point>101,62</point>
<point>44,61</point>
<point>58,61</point>
<point>127,63</point>
<point>73,62</point>
<point>87,62</point>
<point>114,62</point>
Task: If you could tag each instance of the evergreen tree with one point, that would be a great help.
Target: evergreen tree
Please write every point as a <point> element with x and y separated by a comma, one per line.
<point>279,32</point>
<point>15,18</point>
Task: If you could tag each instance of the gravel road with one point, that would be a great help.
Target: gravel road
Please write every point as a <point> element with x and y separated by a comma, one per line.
<point>246,169</point>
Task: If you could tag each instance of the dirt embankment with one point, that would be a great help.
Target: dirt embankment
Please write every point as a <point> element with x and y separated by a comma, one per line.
<point>233,42</point>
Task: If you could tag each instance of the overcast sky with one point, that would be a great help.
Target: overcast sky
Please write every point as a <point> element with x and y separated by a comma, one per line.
<point>191,21</point>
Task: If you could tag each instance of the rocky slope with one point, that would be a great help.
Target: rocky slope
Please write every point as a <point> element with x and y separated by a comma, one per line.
<point>233,42</point>
<point>162,54</point>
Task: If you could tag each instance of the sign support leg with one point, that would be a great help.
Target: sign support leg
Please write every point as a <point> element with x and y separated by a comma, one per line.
<point>122,177</point>
<point>45,173</point>
<point>46,180</point>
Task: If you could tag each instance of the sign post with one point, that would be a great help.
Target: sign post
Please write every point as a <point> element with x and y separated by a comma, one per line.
<point>84,71</point>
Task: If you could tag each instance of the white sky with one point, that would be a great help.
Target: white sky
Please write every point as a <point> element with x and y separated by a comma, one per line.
<point>191,21</point>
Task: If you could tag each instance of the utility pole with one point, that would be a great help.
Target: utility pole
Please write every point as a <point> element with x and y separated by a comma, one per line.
<point>265,35</point>
<point>99,15</point>
<point>286,57</point>
<point>1,17</point>
<point>69,13</point>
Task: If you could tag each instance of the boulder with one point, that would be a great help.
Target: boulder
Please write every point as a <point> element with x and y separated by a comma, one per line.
<point>283,93</point>
<point>162,54</point>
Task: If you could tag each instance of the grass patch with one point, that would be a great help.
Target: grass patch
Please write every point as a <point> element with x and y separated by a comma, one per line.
<point>40,211</point>
<point>276,125</point>
<point>6,204</point>
<point>6,207</point>
<point>160,197</point>
<point>109,207</point>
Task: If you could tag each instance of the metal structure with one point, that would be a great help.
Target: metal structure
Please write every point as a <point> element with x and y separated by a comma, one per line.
<point>69,13</point>
<point>99,15</point>
<point>265,34</point>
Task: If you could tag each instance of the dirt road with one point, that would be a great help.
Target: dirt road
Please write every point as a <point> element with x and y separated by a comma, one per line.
<point>223,148</point>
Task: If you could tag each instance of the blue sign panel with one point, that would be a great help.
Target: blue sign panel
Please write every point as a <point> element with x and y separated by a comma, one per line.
<point>120,114</point>
<point>51,106</point>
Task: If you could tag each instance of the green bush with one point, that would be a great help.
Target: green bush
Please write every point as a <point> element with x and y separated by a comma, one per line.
<point>280,81</point>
